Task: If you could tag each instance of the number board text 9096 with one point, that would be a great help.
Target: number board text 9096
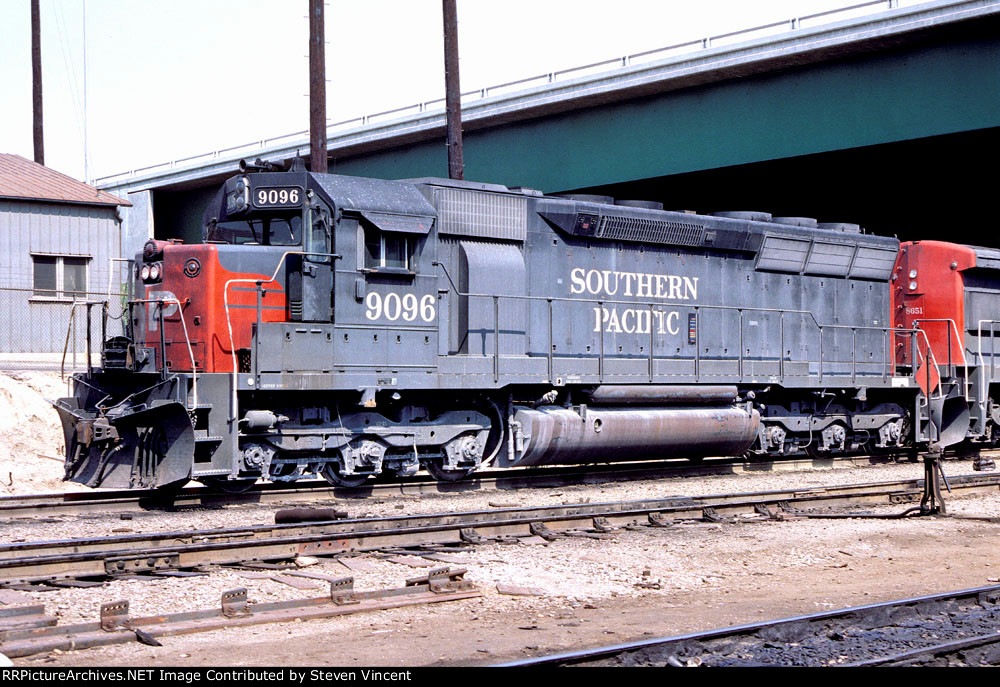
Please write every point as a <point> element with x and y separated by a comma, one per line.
<point>277,197</point>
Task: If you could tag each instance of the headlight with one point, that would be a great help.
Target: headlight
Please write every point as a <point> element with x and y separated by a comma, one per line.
<point>237,195</point>
<point>151,250</point>
<point>151,272</point>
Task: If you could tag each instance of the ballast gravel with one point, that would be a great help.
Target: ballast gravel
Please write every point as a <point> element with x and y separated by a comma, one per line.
<point>66,527</point>
<point>689,570</point>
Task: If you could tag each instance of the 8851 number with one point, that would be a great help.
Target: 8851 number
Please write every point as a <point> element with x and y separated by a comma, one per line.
<point>393,307</point>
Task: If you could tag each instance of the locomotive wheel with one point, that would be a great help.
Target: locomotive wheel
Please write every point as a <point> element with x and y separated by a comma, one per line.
<point>443,475</point>
<point>230,486</point>
<point>813,453</point>
<point>331,473</point>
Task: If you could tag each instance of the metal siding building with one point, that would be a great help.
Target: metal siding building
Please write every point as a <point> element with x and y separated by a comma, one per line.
<point>58,238</point>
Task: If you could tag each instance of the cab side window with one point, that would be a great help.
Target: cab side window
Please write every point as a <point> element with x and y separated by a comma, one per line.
<point>385,249</point>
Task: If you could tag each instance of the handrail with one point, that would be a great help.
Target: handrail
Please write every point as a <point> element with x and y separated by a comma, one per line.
<point>961,342</point>
<point>187,340</point>
<point>897,331</point>
<point>982,367</point>
<point>624,61</point>
<point>229,323</point>
<point>930,359</point>
<point>70,327</point>
<point>71,330</point>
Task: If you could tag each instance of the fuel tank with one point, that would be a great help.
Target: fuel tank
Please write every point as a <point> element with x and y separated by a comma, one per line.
<point>553,435</point>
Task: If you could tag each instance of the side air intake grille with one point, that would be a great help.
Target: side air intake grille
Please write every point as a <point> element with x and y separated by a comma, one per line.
<point>621,228</point>
<point>482,215</point>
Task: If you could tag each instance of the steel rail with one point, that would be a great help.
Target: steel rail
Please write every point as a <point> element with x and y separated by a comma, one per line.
<point>798,626</point>
<point>26,562</point>
<point>138,500</point>
<point>917,656</point>
<point>31,632</point>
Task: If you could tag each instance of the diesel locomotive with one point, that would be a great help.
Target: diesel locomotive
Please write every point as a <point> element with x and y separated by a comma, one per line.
<point>349,327</point>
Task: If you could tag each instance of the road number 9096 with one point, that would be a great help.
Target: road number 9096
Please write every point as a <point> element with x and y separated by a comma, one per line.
<point>393,307</point>
<point>287,197</point>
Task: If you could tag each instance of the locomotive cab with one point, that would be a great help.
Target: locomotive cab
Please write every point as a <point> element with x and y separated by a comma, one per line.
<point>266,257</point>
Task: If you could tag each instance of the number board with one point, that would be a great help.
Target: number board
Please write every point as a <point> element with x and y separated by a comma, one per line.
<point>277,197</point>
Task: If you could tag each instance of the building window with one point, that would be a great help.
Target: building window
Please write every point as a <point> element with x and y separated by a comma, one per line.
<point>386,249</point>
<point>59,276</point>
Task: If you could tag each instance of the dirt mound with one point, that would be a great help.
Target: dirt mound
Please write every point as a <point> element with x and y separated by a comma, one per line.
<point>31,439</point>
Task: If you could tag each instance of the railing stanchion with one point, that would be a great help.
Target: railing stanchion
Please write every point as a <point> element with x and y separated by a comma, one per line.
<point>104,324</point>
<point>90,357</point>
<point>256,337</point>
<point>821,353</point>
<point>651,341</point>
<point>781,349</point>
<point>740,372</point>
<point>600,359</point>
<point>885,355</point>
<point>551,345</point>
<point>496,339</point>
<point>948,332</point>
<point>854,354</point>
<point>163,341</point>
<point>76,342</point>
<point>697,343</point>
<point>993,356</point>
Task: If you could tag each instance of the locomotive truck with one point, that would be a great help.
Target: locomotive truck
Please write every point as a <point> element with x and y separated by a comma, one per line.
<point>349,327</point>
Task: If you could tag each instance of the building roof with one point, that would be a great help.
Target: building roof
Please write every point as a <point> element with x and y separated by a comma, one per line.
<point>26,180</point>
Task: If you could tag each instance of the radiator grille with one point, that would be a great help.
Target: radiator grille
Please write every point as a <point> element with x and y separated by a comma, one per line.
<point>479,214</point>
<point>622,228</point>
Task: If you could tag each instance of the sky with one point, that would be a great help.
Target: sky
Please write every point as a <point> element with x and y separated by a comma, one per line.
<point>168,80</point>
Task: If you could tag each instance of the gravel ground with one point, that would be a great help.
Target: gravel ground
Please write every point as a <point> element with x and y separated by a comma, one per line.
<point>701,569</point>
<point>65,527</point>
<point>658,568</point>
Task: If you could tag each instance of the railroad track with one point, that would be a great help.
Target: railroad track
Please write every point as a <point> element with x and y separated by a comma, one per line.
<point>954,628</point>
<point>28,630</point>
<point>69,561</point>
<point>136,500</point>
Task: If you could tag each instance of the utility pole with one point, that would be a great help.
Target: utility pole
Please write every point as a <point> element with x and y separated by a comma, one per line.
<point>317,88</point>
<point>86,151</point>
<point>453,91</point>
<point>36,81</point>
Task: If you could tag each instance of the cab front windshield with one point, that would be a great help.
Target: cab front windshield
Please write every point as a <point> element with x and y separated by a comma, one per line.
<point>262,231</point>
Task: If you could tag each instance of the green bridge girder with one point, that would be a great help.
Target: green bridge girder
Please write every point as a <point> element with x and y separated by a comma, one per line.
<point>894,134</point>
<point>884,97</point>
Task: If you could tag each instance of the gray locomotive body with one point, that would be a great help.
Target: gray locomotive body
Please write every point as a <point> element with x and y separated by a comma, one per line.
<point>372,325</point>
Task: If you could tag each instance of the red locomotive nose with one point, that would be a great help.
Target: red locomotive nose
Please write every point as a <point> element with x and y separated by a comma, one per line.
<point>190,281</point>
<point>928,293</point>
